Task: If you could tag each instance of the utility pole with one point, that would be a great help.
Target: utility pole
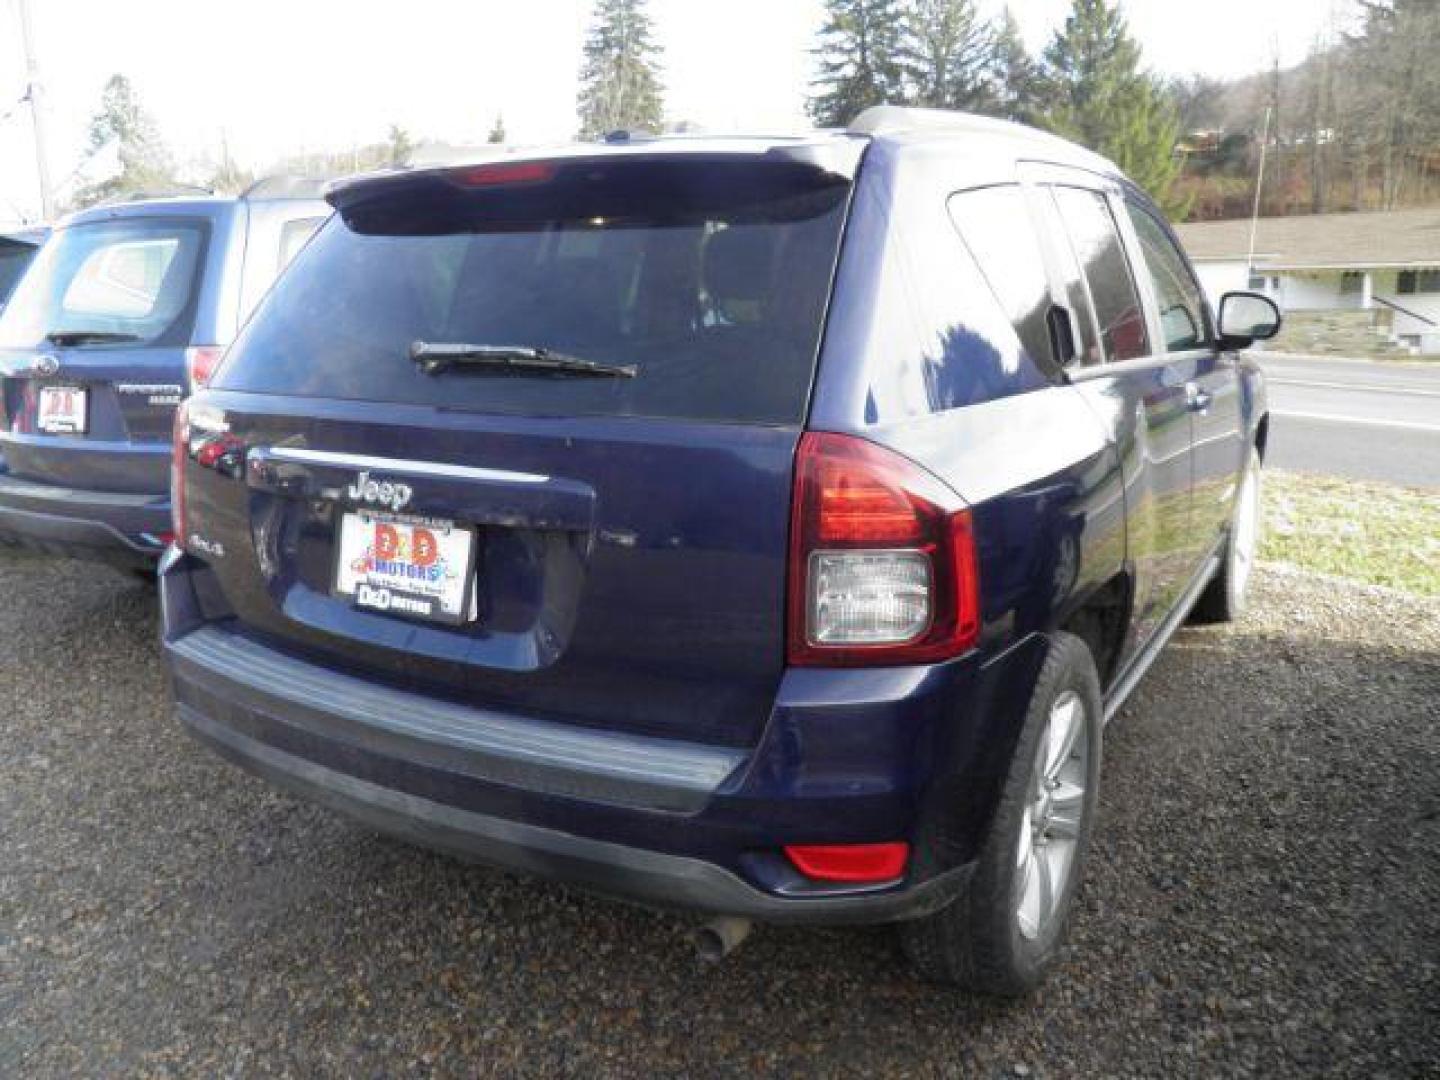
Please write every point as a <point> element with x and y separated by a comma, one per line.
<point>32,95</point>
<point>1259,184</point>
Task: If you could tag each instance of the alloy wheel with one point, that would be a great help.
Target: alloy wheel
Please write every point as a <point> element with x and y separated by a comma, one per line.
<point>1050,828</point>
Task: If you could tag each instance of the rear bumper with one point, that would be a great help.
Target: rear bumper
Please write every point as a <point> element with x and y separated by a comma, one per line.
<point>847,757</point>
<point>116,527</point>
<point>645,876</point>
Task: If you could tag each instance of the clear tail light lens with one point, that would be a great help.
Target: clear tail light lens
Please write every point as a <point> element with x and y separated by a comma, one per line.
<point>868,597</point>
<point>882,559</point>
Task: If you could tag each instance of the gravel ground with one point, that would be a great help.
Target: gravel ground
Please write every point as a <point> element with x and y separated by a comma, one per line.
<point>1264,893</point>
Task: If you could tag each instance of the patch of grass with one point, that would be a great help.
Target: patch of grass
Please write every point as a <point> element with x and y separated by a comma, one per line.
<point>1381,534</point>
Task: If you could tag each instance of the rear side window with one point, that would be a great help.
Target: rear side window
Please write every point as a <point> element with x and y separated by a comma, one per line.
<point>293,236</point>
<point>1182,307</point>
<point>133,277</point>
<point>995,224</point>
<point>1097,245</point>
<point>710,278</point>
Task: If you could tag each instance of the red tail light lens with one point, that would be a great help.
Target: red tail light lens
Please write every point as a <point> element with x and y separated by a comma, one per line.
<point>200,364</point>
<point>882,559</point>
<point>178,450</point>
<point>854,864</point>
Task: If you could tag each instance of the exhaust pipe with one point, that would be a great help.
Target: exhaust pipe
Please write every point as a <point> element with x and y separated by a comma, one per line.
<point>719,937</point>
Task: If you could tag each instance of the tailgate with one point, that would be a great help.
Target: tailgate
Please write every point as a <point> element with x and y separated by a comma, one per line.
<point>626,573</point>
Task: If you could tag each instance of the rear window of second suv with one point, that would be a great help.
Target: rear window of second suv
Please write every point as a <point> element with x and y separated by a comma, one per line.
<point>710,277</point>
<point>132,278</point>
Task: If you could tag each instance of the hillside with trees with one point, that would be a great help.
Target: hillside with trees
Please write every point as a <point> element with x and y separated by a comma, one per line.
<point>1355,126</point>
<point>1089,85</point>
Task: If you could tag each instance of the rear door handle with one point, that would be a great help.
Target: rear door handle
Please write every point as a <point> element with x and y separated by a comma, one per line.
<point>1198,400</point>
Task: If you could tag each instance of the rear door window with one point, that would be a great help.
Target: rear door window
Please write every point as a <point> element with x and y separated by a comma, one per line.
<point>1071,279</point>
<point>1097,245</point>
<point>133,277</point>
<point>1178,294</point>
<point>710,278</point>
<point>995,224</point>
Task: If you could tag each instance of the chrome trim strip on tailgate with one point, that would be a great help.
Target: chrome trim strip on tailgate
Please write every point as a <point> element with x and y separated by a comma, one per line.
<point>400,465</point>
<point>539,755</point>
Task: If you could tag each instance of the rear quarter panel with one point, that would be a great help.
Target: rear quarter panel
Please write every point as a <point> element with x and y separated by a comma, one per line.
<point>919,357</point>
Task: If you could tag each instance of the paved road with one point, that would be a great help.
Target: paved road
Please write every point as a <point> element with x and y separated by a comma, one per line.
<point>1354,418</point>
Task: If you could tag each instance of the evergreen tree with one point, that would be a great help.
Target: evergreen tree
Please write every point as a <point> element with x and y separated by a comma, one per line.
<point>1014,75</point>
<point>948,53</point>
<point>497,132</point>
<point>862,59</point>
<point>144,162</point>
<point>620,73</point>
<point>1099,96</point>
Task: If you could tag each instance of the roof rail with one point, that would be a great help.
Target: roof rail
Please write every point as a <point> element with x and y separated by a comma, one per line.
<point>894,119</point>
<point>888,119</point>
<point>172,192</point>
<point>286,186</point>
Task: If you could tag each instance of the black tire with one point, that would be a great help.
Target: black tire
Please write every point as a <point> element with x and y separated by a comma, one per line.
<point>1224,598</point>
<point>976,942</point>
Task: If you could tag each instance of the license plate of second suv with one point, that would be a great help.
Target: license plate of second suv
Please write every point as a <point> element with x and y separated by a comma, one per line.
<point>400,564</point>
<point>61,410</point>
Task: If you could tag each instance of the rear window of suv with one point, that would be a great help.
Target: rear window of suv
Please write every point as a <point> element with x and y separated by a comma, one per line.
<point>135,277</point>
<point>709,276</point>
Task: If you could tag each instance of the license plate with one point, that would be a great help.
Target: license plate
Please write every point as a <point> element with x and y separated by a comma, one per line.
<point>62,410</point>
<point>400,564</point>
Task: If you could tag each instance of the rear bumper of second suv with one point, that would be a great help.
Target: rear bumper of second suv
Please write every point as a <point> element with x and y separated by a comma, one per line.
<point>661,821</point>
<point>126,529</point>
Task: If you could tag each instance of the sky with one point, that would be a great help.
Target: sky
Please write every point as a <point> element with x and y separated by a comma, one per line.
<point>272,78</point>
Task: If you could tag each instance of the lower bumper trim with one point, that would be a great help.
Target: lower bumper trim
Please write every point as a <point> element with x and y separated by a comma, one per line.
<point>649,877</point>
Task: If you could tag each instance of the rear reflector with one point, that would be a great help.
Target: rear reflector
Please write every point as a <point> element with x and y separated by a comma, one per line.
<point>855,864</point>
<point>200,364</point>
<point>519,172</point>
<point>882,559</point>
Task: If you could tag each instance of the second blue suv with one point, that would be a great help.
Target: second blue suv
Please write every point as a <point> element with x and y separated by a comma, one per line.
<point>126,308</point>
<point>765,527</point>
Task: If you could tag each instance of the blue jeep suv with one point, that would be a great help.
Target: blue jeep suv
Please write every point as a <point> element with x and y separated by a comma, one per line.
<point>763,527</point>
<point>125,309</point>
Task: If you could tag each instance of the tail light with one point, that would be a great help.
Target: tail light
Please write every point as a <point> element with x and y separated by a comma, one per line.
<point>851,863</point>
<point>200,364</point>
<point>179,449</point>
<point>882,559</point>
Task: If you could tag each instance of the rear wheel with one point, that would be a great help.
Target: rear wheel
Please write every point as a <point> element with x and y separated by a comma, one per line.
<point>1224,598</point>
<point>1003,933</point>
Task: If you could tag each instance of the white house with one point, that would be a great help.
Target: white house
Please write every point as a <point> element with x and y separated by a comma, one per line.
<point>1384,261</point>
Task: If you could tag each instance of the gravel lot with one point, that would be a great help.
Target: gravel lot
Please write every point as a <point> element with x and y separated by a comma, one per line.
<point>1264,894</point>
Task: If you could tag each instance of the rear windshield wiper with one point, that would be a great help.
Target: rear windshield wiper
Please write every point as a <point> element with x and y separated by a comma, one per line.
<point>88,337</point>
<point>435,357</point>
